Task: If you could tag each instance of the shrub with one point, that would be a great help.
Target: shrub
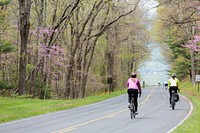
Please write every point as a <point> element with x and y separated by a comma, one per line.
<point>5,85</point>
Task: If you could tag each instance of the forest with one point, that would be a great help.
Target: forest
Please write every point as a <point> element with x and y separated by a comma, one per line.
<point>177,27</point>
<point>71,49</point>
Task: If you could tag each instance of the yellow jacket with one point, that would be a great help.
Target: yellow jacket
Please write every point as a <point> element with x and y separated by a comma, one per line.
<point>173,82</point>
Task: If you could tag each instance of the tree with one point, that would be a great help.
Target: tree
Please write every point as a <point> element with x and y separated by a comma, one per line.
<point>178,20</point>
<point>62,41</point>
<point>24,23</point>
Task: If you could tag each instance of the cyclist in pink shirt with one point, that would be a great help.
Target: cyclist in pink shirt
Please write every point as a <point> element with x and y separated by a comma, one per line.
<point>133,87</point>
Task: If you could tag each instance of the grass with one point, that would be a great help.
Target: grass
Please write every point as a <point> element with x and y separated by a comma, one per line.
<point>18,108</point>
<point>191,125</point>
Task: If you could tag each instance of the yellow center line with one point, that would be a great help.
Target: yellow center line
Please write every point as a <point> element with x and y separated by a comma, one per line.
<point>84,123</point>
<point>147,98</point>
<point>69,129</point>
<point>99,118</point>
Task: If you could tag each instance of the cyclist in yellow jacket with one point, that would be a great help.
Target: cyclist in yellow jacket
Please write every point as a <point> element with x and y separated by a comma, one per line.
<point>173,84</point>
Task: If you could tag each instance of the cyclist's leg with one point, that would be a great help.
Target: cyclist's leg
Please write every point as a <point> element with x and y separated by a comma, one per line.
<point>170,95</point>
<point>129,91</point>
<point>129,98</point>
<point>135,99</point>
<point>176,89</point>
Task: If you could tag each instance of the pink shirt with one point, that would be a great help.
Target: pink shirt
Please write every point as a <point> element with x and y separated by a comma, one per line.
<point>133,83</point>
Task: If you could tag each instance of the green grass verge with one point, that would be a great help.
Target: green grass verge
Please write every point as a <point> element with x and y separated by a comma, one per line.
<point>18,108</point>
<point>191,125</point>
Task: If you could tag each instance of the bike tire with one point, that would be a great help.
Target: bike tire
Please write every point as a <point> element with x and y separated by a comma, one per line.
<point>132,108</point>
<point>173,107</point>
<point>131,114</point>
<point>173,101</point>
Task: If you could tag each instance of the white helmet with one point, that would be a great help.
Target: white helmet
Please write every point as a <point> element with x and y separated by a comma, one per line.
<point>174,75</point>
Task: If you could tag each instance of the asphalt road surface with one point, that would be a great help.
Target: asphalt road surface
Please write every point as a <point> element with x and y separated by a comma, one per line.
<point>110,116</point>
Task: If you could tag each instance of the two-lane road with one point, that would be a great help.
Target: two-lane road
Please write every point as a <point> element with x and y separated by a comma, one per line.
<point>110,116</point>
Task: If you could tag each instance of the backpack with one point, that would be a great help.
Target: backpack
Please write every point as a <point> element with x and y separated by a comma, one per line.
<point>176,97</point>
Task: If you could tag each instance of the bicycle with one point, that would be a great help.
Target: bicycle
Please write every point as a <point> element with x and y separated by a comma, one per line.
<point>132,107</point>
<point>174,99</point>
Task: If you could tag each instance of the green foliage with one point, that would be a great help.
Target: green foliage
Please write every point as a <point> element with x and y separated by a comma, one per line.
<point>30,67</point>
<point>180,57</point>
<point>7,47</point>
<point>3,12</point>
<point>181,69</point>
<point>2,16</point>
<point>4,2</point>
<point>40,88</point>
<point>99,67</point>
<point>45,92</point>
<point>5,85</point>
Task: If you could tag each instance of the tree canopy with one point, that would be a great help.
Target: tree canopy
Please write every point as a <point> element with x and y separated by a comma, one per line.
<point>177,25</point>
<point>69,49</point>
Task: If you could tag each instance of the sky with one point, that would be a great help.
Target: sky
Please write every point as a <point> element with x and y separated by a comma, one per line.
<point>150,5</point>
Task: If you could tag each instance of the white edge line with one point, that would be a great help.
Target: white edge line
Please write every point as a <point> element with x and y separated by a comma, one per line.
<point>181,122</point>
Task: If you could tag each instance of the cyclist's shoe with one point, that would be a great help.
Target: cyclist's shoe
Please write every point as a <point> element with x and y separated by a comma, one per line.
<point>136,113</point>
<point>170,105</point>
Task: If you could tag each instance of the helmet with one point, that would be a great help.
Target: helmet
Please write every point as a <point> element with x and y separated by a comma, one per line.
<point>174,75</point>
<point>133,74</point>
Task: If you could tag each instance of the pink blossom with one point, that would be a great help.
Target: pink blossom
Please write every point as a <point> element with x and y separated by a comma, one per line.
<point>193,44</point>
<point>59,63</point>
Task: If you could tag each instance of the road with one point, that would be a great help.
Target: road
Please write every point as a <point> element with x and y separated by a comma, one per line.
<point>110,116</point>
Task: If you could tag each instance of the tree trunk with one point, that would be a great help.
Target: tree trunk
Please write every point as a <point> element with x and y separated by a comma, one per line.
<point>192,66</point>
<point>24,14</point>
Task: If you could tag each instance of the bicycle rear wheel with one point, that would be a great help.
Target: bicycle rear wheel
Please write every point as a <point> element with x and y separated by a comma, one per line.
<point>131,113</point>
<point>173,101</point>
<point>132,108</point>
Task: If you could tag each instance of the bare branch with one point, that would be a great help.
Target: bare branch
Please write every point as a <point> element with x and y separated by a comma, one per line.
<point>114,21</point>
<point>64,17</point>
<point>163,3</point>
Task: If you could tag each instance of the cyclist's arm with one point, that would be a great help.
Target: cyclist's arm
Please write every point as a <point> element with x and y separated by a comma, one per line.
<point>139,87</point>
<point>127,84</point>
<point>168,84</point>
<point>178,84</point>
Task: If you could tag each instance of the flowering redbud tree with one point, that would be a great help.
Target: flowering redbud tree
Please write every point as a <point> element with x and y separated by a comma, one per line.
<point>54,59</point>
<point>194,43</point>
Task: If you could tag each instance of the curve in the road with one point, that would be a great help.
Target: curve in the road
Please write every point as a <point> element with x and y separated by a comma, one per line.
<point>190,112</point>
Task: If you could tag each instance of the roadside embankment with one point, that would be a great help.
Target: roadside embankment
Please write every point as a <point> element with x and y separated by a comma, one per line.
<point>18,108</point>
<point>191,125</point>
